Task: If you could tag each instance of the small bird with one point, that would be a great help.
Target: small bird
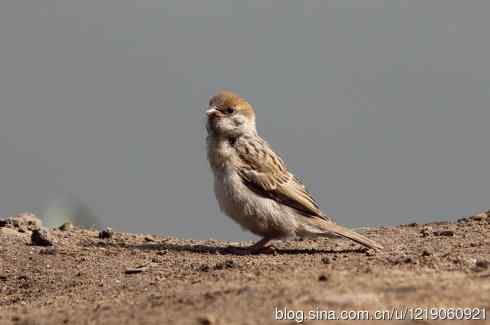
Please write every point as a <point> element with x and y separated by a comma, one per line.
<point>253,185</point>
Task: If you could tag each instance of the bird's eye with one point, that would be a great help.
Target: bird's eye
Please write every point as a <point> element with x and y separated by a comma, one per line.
<point>229,110</point>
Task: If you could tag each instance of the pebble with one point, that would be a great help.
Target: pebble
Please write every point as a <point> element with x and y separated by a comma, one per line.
<point>426,231</point>
<point>67,226</point>
<point>41,237</point>
<point>106,233</point>
<point>133,270</point>
<point>207,320</point>
<point>482,264</point>
<point>448,233</point>
<point>370,252</point>
<point>426,252</point>
<point>204,268</point>
<point>481,216</point>
<point>229,264</point>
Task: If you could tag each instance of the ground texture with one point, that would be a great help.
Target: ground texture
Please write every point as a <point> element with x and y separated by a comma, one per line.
<point>141,279</point>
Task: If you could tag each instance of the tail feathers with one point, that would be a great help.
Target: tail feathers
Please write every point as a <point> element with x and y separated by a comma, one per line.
<point>350,234</point>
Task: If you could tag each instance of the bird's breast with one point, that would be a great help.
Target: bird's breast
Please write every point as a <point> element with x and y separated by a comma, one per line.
<point>232,195</point>
<point>220,154</point>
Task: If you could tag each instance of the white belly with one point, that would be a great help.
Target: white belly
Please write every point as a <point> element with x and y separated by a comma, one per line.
<point>261,216</point>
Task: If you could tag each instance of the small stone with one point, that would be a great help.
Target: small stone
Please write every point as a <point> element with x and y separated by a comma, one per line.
<point>448,233</point>
<point>204,268</point>
<point>409,260</point>
<point>426,252</point>
<point>67,226</point>
<point>207,320</point>
<point>41,237</point>
<point>326,260</point>
<point>133,270</point>
<point>426,231</point>
<point>229,264</point>
<point>482,264</point>
<point>106,233</point>
<point>322,278</point>
<point>480,216</point>
<point>370,252</point>
<point>149,239</point>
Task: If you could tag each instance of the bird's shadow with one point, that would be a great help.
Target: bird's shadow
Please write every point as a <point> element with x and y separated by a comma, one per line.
<point>209,249</point>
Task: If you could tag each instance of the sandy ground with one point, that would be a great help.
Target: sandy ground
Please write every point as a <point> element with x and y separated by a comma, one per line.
<point>141,279</point>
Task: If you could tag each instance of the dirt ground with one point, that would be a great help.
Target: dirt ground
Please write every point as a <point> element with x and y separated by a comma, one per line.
<point>142,279</point>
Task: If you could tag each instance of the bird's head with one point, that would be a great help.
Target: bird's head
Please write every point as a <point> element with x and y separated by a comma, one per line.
<point>229,115</point>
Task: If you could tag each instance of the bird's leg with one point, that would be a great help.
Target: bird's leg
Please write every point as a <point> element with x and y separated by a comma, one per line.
<point>258,247</point>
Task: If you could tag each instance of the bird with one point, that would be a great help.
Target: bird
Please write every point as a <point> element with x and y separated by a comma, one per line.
<point>253,185</point>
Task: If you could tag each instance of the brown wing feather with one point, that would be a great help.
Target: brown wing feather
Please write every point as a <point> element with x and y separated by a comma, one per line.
<point>265,173</point>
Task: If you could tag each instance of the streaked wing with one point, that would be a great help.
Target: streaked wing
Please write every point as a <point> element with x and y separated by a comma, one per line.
<point>265,173</point>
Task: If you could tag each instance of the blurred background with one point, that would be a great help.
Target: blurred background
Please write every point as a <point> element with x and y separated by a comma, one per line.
<point>381,107</point>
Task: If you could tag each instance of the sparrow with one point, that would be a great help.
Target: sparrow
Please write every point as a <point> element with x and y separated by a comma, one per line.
<point>254,187</point>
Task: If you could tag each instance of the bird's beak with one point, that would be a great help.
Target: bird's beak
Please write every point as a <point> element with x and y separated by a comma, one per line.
<point>211,111</point>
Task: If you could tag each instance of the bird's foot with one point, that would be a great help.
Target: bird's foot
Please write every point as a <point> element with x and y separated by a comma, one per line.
<point>260,247</point>
<point>268,250</point>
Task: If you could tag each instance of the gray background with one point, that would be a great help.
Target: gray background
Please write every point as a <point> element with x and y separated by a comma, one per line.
<point>381,107</point>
